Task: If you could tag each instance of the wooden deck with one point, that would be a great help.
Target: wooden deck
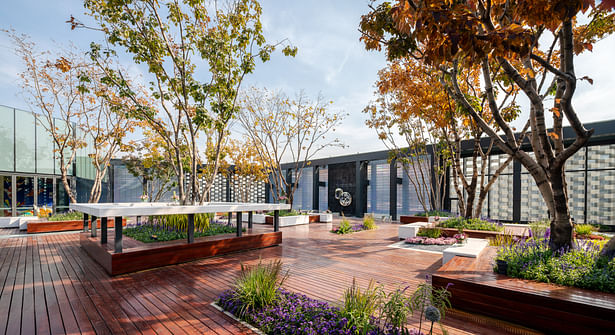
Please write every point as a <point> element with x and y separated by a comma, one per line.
<point>50,286</point>
<point>476,288</point>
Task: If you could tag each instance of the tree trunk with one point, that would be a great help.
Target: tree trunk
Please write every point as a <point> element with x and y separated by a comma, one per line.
<point>561,225</point>
<point>66,185</point>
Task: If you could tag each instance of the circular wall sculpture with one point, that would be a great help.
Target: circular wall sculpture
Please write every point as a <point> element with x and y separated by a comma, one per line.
<point>344,197</point>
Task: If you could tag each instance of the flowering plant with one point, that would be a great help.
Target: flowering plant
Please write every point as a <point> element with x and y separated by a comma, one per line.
<point>431,241</point>
<point>461,237</point>
<point>144,197</point>
<point>175,197</point>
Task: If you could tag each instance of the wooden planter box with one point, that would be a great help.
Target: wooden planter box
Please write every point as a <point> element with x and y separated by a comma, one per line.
<point>415,218</point>
<point>55,226</point>
<point>155,255</point>
<point>450,232</point>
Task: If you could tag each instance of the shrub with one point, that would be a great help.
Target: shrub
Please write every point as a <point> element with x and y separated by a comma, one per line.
<point>503,239</point>
<point>434,213</point>
<point>429,232</point>
<point>257,286</point>
<point>582,266</point>
<point>369,223</point>
<point>472,224</point>
<point>584,229</point>
<point>179,222</point>
<point>148,233</point>
<point>68,216</point>
<point>345,227</point>
<point>359,306</point>
<point>540,229</point>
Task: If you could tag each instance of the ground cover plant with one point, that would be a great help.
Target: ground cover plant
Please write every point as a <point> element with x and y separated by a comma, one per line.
<point>429,232</point>
<point>346,227</point>
<point>471,224</point>
<point>68,216</point>
<point>581,266</point>
<point>434,213</point>
<point>431,241</point>
<point>257,298</point>
<point>285,212</point>
<point>174,227</point>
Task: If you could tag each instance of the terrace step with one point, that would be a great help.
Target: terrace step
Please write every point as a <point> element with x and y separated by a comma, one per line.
<point>472,249</point>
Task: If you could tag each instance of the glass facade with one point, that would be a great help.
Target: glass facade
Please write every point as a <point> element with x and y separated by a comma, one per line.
<point>7,139</point>
<point>323,188</point>
<point>28,167</point>
<point>378,188</point>
<point>302,198</point>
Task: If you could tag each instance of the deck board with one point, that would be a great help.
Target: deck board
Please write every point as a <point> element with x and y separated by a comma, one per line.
<point>51,286</point>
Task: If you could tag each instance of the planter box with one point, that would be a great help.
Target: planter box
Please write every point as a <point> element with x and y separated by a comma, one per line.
<point>414,218</point>
<point>23,221</point>
<point>286,221</point>
<point>55,226</point>
<point>410,229</point>
<point>450,232</point>
<point>326,217</point>
<point>14,221</point>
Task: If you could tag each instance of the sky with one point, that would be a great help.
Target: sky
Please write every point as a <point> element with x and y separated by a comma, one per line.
<point>330,61</point>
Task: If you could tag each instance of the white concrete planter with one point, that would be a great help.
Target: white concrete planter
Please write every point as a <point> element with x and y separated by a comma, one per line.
<point>9,222</point>
<point>472,248</point>
<point>256,218</point>
<point>326,217</point>
<point>409,230</point>
<point>23,221</point>
<point>287,221</point>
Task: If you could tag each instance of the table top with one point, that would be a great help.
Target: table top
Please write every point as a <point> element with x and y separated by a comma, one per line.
<point>163,208</point>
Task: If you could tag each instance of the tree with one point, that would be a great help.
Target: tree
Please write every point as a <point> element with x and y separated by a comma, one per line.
<point>51,85</point>
<point>151,161</point>
<point>412,103</point>
<point>506,39</point>
<point>172,38</point>
<point>283,129</point>
<point>248,168</point>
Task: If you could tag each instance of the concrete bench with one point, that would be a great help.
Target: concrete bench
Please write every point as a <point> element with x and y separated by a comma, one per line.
<point>326,217</point>
<point>410,229</point>
<point>472,248</point>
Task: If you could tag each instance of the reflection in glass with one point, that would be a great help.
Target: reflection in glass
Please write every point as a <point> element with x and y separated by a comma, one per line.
<point>25,196</point>
<point>6,196</point>
<point>44,147</point>
<point>45,192</point>
<point>7,139</point>
<point>61,197</point>
<point>25,141</point>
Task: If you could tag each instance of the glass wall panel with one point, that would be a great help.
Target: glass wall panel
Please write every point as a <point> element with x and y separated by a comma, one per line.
<point>61,125</point>
<point>25,196</point>
<point>378,189</point>
<point>408,201</point>
<point>577,161</point>
<point>62,199</point>
<point>601,157</point>
<point>601,197</point>
<point>25,144</point>
<point>323,197</point>
<point>44,147</point>
<point>302,198</point>
<point>45,192</point>
<point>576,195</point>
<point>6,196</point>
<point>501,198</point>
<point>7,139</point>
<point>533,207</point>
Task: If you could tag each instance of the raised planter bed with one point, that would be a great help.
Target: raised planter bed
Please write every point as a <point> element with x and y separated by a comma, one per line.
<point>159,254</point>
<point>286,221</point>
<point>415,218</point>
<point>545,307</point>
<point>55,226</point>
<point>450,232</point>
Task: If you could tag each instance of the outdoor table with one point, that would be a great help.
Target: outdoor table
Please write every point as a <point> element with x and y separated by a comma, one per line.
<point>119,210</point>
